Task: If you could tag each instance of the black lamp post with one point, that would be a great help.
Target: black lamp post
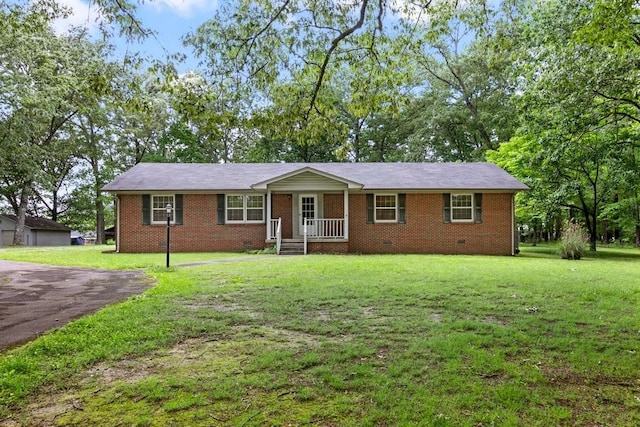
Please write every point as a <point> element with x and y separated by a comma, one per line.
<point>168,230</point>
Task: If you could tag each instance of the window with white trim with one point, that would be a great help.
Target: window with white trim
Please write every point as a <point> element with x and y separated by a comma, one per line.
<point>386,208</point>
<point>461,207</point>
<point>159,208</point>
<point>245,208</point>
<point>255,208</point>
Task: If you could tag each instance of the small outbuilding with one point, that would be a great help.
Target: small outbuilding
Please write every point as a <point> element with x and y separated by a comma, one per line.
<point>37,231</point>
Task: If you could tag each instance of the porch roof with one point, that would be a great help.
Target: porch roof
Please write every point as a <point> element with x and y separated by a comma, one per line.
<point>193,177</point>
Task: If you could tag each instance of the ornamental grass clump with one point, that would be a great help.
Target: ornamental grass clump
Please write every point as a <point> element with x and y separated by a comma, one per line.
<point>574,240</point>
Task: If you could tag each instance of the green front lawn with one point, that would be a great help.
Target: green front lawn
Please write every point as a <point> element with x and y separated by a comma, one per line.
<point>104,256</point>
<point>343,340</point>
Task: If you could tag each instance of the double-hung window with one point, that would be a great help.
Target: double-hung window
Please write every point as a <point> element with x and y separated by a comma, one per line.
<point>386,208</point>
<point>235,208</point>
<point>159,208</point>
<point>245,208</point>
<point>154,208</point>
<point>461,207</point>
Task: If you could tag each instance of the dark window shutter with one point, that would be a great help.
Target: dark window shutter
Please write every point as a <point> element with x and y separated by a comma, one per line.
<point>178,208</point>
<point>146,209</point>
<point>446,200</point>
<point>221,214</point>
<point>477,215</point>
<point>402,202</point>
<point>370,209</point>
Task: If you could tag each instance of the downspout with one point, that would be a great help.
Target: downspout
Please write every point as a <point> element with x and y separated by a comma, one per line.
<point>117,223</point>
<point>345,231</point>
<point>269,236</point>
<point>513,225</point>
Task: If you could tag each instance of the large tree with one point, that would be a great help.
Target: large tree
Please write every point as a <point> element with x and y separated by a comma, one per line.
<point>576,94</point>
<point>464,66</point>
<point>36,92</point>
<point>45,81</point>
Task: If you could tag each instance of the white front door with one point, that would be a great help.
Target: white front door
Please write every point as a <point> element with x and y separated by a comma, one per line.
<point>307,208</point>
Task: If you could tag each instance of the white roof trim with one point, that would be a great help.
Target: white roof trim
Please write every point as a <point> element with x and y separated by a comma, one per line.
<point>351,185</point>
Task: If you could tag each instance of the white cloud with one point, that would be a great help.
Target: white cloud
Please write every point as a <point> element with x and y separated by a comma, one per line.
<point>86,14</point>
<point>420,11</point>
<point>185,8</point>
<point>82,15</point>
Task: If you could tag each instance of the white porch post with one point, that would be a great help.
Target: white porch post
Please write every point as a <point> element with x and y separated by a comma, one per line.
<point>346,214</point>
<point>269,215</point>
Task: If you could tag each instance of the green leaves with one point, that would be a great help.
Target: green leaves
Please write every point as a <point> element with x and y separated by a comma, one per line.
<point>577,97</point>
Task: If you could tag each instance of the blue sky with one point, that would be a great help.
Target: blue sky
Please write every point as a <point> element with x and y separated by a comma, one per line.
<point>171,19</point>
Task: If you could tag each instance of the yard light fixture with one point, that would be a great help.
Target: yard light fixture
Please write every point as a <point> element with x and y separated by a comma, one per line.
<point>168,230</point>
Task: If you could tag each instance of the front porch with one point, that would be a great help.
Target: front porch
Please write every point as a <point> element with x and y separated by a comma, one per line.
<point>318,235</point>
<point>308,207</point>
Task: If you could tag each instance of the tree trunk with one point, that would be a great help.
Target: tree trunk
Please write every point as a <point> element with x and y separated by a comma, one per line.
<point>357,128</point>
<point>18,237</point>
<point>636,214</point>
<point>99,204</point>
<point>558,227</point>
<point>591,219</point>
<point>100,238</point>
<point>592,226</point>
<point>54,208</point>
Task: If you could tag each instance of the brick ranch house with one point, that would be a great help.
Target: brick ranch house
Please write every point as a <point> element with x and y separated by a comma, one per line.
<point>445,208</point>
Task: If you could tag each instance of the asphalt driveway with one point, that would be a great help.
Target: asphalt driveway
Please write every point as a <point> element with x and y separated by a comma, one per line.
<point>35,298</point>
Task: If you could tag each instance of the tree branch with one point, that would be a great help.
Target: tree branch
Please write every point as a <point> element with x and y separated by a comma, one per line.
<point>334,45</point>
<point>615,98</point>
<point>252,40</point>
<point>134,22</point>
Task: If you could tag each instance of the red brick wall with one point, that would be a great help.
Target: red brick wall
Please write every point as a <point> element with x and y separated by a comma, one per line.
<point>333,205</point>
<point>281,207</point>
<point>328,247</point>
<point>424,231</point>
<point>198,233</point>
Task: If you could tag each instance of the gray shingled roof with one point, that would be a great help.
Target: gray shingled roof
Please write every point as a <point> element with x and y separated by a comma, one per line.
<point>372,176</point>
<point>38,223</point>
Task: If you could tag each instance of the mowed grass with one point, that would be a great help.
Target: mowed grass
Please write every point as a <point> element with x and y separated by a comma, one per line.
<point>104,256</point>
<point>345,340</point>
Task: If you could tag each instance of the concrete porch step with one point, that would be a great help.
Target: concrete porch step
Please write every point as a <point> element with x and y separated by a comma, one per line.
<point>292,248</point>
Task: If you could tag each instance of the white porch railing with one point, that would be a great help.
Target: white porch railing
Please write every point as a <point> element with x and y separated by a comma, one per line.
<point>325,228</point>
<point>279,236</point>
<point>275,230</point>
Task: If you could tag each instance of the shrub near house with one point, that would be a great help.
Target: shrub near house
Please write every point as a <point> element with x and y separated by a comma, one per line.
<point>445,208</point>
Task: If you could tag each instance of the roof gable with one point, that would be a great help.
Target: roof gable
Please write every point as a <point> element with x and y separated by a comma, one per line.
<point>306,173</point>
